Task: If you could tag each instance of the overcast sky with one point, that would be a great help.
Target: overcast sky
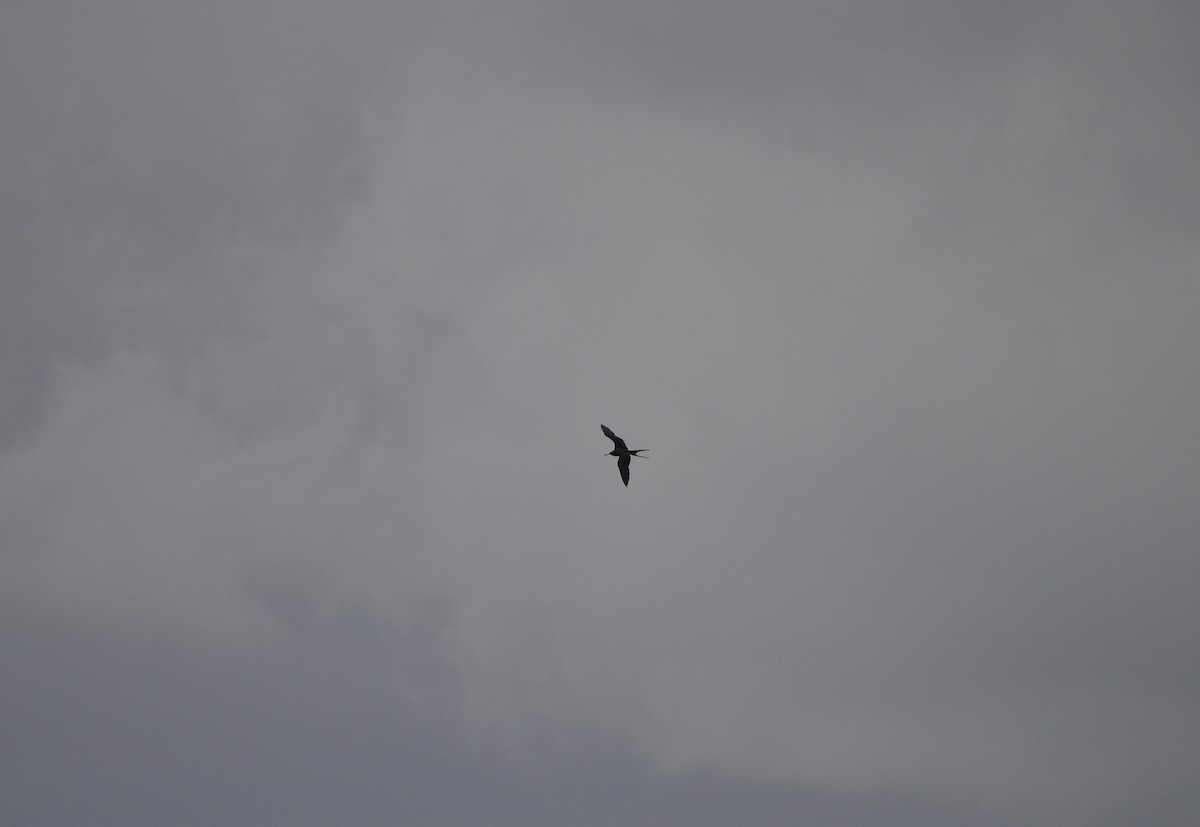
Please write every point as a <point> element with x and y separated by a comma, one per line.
<point>310,312</point>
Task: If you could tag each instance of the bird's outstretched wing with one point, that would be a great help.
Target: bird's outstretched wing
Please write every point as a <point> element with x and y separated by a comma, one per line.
<point>623,467</point>
<point>620,443</point>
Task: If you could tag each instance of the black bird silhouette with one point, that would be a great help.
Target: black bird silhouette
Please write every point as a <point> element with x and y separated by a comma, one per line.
<point>621,452</point>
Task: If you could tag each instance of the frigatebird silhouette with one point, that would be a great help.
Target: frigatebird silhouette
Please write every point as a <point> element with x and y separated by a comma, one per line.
<point>621,453</point>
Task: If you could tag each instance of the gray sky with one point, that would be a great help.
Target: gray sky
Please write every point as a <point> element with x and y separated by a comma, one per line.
<point>310,312</point>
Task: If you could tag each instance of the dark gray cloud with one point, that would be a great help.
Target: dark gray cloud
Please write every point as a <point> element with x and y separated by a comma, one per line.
<point>143,140</point>
<point>310,316</point>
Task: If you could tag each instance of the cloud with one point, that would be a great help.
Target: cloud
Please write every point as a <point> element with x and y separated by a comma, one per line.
<point>304,510</point>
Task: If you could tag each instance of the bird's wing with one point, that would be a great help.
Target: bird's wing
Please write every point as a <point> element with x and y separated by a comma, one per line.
<point>620,443</point>
<point>623,467</point>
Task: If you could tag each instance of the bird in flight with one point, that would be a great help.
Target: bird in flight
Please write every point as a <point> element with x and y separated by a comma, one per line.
<point>621,453</point>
